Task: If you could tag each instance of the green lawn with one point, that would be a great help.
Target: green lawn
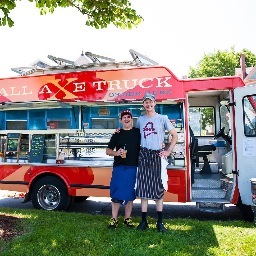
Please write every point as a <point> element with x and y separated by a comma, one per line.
<point>79,234</point>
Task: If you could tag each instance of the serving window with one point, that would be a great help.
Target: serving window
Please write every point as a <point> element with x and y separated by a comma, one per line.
<point>16,125</point>
<point>58,124</point>
<point>105,123</point>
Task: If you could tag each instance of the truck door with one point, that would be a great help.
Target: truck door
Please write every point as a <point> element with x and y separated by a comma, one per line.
<point>245,146</point>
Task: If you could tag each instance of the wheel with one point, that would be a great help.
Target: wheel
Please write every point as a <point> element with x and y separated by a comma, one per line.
<point>50,193</point>
<point>80,199</point>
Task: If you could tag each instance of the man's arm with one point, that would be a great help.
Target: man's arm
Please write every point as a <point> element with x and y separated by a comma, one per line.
<point>111,152</point>
<point>173,141</point>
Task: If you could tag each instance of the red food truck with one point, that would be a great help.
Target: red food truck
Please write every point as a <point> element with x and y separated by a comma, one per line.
<point>56,121</point>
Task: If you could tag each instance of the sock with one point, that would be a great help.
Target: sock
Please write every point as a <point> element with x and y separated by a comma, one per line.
<point>159,217</point>
<point>144,216</point>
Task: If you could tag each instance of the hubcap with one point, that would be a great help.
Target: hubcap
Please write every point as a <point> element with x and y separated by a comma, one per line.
<point>48,197</point>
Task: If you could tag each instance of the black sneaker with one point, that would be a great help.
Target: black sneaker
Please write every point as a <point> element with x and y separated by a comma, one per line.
<point>143,225</point>
<point>160,227</point>
<point>113,223</point>
<point>128,223</point>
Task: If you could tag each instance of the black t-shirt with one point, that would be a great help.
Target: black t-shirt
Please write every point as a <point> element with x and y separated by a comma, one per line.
<point>131,140</point>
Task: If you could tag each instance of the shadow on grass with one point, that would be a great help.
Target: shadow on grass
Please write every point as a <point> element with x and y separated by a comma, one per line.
<point>171,210</point>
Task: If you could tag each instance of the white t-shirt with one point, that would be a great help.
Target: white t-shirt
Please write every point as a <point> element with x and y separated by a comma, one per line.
<point>152,130</point>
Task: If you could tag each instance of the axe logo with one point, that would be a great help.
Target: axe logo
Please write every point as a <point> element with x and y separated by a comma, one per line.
<point>149,129</point>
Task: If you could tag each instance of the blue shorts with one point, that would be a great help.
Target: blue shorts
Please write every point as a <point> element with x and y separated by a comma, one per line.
<point>122,183</point>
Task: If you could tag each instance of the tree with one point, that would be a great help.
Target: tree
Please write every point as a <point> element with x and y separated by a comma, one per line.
<point>221,63</point>
<point>99,13</point>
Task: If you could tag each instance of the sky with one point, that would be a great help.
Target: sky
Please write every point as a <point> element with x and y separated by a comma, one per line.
<point>174,33</point>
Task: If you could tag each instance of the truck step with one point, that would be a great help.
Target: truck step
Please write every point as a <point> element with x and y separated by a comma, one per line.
<point>208,193</point>
<point>211,200</point>
<point>210,206</point>
<point>210,183</point>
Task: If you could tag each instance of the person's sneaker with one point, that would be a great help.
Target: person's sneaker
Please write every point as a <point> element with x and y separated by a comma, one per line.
<point>128,223</point>
<point>160,227</point>
<point>143,225</point>
<point>113,223</point>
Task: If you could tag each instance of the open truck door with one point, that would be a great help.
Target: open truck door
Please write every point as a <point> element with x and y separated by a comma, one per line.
<point>245,144</point>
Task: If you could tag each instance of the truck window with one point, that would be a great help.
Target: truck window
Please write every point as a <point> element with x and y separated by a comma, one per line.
<point>16,124</point>
<point>202,120</point>
<point>104,123</point>
<point>36,119</point>
<point>249,113</point>
<point>16,120</point>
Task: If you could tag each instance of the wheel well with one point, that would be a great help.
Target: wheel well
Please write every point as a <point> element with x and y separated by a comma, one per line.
<point>50,193</point>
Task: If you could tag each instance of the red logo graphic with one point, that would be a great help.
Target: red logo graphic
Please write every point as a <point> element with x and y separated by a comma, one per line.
<point>73,86</point>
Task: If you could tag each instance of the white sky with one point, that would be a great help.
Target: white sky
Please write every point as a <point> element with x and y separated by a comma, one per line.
<point>175,33</point>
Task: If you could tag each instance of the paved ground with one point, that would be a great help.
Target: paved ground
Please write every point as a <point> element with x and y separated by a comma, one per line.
<point>102,205</point>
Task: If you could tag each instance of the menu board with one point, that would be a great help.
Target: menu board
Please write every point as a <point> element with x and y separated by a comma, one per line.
<point>37,148</point>
<point>13,142</point>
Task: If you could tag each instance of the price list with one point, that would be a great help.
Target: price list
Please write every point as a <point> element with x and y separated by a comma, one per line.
<point>37,148</point>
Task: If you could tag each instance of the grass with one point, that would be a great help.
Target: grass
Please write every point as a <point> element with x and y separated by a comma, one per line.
<point>79,234</point>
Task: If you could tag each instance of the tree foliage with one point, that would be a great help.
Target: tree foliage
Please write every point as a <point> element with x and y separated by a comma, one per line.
<point>99,13</point>
<point>221,63</point>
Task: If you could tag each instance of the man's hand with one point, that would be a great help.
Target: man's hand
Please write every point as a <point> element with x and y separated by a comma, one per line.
<point>164,153</point>
<point>117,130</point>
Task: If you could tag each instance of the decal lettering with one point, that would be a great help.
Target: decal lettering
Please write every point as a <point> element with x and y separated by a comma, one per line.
<point>114,84</point>
<point>114,94</point>
<point>56,91</point>
<point>14,91</point>
<point>163,82</point>
<point>3,92</point>
<point>143,80</point>
<point>79,87</point>
<point>130,84</point>
<point>98,84</point>
<point>45,89</point>
<point>87,87</point>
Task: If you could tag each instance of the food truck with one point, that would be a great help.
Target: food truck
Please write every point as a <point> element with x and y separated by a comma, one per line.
<point>56,122</point>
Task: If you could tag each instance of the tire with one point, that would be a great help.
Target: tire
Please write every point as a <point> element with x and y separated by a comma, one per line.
<point>80,199</point>
<point>50,193</point>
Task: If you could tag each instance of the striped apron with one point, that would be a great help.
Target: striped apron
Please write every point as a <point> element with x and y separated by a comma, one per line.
<point>148,181</point>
